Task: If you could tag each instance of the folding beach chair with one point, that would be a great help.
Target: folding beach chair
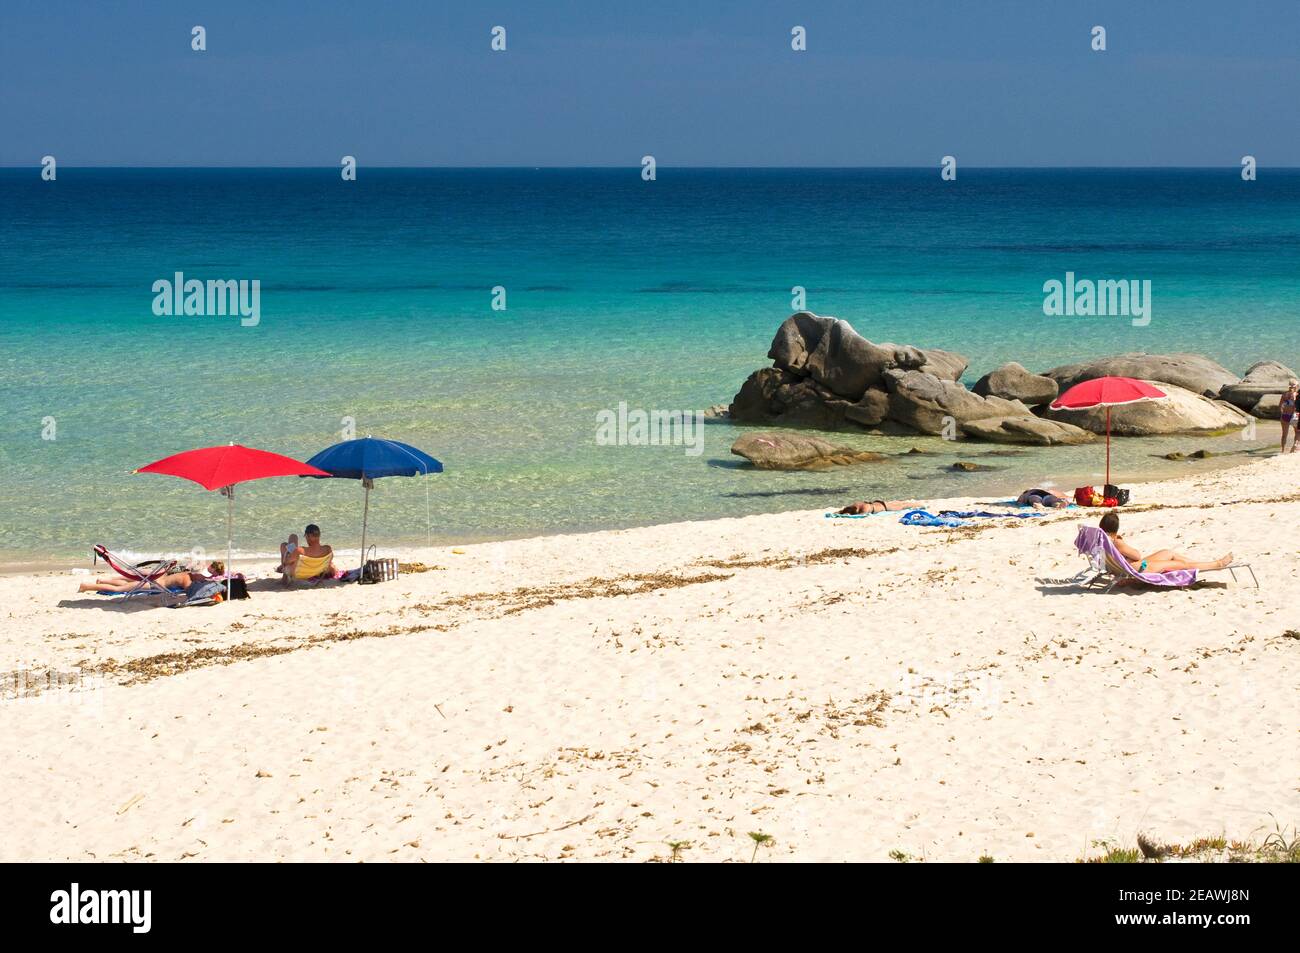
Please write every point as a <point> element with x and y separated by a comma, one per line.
<point>145,574</point>
<point>1107,565</point>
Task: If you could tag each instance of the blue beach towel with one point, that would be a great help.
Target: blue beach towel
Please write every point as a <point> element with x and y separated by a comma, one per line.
<point>985,514</point>
<point>922,518</point>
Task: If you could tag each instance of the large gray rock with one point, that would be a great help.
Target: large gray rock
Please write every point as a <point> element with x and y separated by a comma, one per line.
<point>1027,429</point>
<point>1182,412</point>
<point>1262,378</point>
<point>847,363</point>
<point>756,400</point>
<point>796,339</point>
<point>1268,407</point>
<point>923,402</point>
<point>1012,382</point>
<point>871,410</point>
<point>773,395</point>
<point>828,376</point>
<point>805,403</point>
<point>789,451</point>
<point>945,365</point>
<point>836,356</point>
<point>1192,372</point>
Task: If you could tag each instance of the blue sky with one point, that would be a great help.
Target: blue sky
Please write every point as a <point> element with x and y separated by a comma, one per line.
<point>709,82</point>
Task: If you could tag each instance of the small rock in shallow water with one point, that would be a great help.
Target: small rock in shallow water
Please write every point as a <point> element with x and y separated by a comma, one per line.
<point>789,451</point>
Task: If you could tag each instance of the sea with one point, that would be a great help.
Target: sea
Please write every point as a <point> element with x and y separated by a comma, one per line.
<point>494,317</point>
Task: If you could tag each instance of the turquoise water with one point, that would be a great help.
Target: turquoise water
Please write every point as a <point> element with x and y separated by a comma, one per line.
<point>376,305</point>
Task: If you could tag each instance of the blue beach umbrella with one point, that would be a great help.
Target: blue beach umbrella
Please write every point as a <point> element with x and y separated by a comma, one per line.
<point>368,458</point>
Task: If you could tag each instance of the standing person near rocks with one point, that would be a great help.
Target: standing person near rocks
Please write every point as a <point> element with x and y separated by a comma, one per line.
<point>1287,413</point>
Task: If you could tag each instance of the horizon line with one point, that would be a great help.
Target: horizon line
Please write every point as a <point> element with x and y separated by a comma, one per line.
<point>637,167</point>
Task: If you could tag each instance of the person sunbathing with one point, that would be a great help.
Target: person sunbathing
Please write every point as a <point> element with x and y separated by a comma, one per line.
<point>173,580</point>
<point>875,506</point>
<point>1042,498</point>
<point>312,561</point>
<point>1162,560</point>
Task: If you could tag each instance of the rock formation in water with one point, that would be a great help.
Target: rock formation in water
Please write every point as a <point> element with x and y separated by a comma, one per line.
<point>824,375</point>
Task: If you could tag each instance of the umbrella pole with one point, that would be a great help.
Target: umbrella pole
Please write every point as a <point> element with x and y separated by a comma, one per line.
<point>1108,445</point>
<point>365,517</point>
<point>230,536</point>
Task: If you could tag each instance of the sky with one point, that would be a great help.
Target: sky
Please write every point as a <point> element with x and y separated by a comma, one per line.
<point>700,83</point>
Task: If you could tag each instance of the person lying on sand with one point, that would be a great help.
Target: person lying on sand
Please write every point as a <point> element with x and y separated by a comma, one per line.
<point>1042,498</point>
<point>173,580</point>
<point>1162,560</point>
<point>318,557</point>
<point>876,506</point>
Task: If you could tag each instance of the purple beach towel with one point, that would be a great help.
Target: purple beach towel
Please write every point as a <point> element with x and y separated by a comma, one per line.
<point>1096,545</point>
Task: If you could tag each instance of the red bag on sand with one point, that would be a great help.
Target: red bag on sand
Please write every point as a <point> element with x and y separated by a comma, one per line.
<point>1110,501</point>
<point>1084,495</point>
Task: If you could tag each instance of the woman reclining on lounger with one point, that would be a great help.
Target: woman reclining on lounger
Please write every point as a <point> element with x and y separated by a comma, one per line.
<point>173,580</point>
<point>1162,560</point>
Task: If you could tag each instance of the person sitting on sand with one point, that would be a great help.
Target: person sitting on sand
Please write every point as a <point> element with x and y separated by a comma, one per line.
<point>173,580</point>
<point>1162,560</point>
<point>286,550</point>
<point>876,506</point>
<point>312,561</point>
<point>1042,498</point>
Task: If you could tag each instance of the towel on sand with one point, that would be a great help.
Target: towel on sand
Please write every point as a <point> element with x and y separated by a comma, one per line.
<point>985,514</point>
<point>922,518</point>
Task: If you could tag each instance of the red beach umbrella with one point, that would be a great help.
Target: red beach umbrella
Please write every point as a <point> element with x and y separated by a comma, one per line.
<point>220,468</point>
<point>1107,392</point>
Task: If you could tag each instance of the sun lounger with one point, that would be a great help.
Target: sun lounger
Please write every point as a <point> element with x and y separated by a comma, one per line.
<point>1108,567</point>
<point>309,568</point>
<point>145,578</point>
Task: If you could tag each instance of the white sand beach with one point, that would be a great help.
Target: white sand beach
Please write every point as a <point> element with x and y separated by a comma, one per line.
<point>852,688</point>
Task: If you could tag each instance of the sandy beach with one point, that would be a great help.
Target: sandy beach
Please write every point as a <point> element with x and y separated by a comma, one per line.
<point>855,689</point>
